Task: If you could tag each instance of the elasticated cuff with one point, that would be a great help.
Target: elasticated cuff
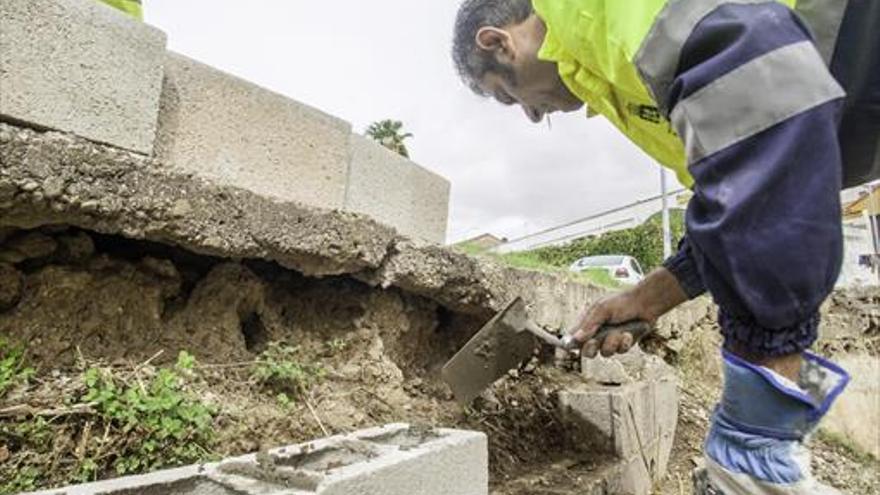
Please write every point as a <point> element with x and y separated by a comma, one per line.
<point>683,267</point>
<point>747,334</point>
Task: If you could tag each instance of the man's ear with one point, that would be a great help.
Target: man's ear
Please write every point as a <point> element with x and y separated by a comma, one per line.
<point>497,41</point>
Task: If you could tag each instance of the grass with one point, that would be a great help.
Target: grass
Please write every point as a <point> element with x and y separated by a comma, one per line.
<point>527,260</point>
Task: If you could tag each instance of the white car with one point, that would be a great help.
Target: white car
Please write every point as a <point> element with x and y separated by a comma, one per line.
<point>623,269</point>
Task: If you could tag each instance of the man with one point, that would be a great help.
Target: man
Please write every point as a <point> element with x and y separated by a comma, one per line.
<point>130,7</point>
<point>765,109</point>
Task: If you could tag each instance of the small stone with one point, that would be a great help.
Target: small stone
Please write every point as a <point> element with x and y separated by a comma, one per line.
<point>53,187</point>
<point>181,208</point>
<point>29,186</point>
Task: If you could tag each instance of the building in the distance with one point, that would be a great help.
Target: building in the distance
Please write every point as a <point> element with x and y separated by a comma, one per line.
<point>861,237</point>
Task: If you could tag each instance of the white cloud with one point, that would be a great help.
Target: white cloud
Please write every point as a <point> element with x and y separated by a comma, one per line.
<point>364,61</point>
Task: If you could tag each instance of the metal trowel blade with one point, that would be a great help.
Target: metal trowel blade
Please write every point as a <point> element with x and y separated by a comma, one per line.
<point>501,345</point>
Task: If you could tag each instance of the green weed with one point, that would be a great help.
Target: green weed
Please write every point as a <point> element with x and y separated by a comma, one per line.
<point>12,369</point>
<point>280,369</point>
<point>166,425</point>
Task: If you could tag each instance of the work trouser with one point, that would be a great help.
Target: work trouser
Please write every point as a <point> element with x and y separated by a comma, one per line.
<point>856,66</point>
<point>757,441</point>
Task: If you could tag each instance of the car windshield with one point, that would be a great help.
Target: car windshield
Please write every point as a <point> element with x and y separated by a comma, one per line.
<point>600,261</point>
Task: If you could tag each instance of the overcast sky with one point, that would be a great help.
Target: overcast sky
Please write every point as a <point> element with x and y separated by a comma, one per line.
<point>368,60</point>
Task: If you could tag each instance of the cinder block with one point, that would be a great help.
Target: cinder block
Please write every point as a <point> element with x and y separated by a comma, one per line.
<point>234,133</point>
<point>390,460</point>
<point>637,421</point>
<point>82,67</point>
<point>397,192</point>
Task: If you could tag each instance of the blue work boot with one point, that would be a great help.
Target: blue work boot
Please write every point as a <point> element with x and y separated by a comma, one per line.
<point>757,440</point>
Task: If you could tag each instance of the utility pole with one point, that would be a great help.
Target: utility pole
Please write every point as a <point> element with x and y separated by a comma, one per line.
<point>667,228</point>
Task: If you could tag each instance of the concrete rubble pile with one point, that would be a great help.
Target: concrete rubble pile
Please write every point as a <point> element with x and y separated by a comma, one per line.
<point>105,131</point>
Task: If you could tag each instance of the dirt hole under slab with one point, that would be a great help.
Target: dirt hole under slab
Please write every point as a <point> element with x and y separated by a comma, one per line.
<point>79,297</point>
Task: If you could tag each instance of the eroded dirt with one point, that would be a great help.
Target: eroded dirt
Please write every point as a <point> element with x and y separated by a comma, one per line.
<point>85,298</point>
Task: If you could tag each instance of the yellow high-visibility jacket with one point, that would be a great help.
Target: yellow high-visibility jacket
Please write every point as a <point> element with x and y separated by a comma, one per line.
<point>619,57</point>
<point>130,7</point>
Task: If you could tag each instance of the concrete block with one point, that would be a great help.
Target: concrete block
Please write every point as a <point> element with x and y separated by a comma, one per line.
<point>82,67</point>
<point>391,460</point>
<point>397,192</point>
<point>233,133</point>
<point>637,422</point>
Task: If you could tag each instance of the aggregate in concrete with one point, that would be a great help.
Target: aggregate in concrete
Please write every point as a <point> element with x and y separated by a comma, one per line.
<point>222,128</point>
<point>396,191</point>
<point>54,178</point>
<point>396,459</point>
<point>81,67</point>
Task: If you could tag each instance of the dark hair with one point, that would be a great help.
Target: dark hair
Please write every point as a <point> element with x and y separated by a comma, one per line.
<point>471,61</point>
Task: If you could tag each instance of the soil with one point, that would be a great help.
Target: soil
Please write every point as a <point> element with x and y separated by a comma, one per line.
<point>80,298</point>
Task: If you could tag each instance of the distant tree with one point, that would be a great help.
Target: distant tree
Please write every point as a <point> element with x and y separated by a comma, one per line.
<point>389,134</point>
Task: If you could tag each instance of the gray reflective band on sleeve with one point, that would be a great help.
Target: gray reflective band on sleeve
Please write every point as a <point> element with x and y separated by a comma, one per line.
<point>824,18</point>
<point>658,57</point>
<point>752,98</point>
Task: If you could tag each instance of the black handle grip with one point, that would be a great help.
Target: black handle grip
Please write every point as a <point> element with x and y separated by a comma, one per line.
<point>637,328</point>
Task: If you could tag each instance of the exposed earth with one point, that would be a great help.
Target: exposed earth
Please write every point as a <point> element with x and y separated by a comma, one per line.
<point>340,355</point>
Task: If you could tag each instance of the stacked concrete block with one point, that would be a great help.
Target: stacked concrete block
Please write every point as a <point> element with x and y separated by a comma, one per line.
<point>391,460</point>
<point>635,413</point>
<point>81,67</point>
<point>231,132</point>
<point>397,192</point>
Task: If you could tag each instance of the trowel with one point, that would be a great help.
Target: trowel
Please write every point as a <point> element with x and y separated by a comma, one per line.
<point>504,343</point>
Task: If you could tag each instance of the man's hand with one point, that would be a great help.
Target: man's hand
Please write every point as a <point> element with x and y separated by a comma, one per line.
<point>658,293</point>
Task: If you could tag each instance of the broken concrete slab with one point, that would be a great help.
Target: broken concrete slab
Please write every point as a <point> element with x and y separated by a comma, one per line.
<point>396,191</point>
<point>234,133</point>
<point>82,67</point>
<point>391,460</point>
<point>635,422</point>
<point>52,178</point>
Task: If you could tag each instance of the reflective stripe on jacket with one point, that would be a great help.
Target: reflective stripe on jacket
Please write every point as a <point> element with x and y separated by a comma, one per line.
<point>621,58</point>
<point>130,7</point>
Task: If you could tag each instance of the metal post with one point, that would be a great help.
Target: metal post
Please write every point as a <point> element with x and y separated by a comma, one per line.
<point>667,228</point>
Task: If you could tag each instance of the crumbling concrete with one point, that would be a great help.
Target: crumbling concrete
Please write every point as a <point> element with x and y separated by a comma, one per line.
<point>634,409</point>
<point>396,191</point>
<point>232,132</point>
<point>81,67</point>
<point>391,460</point>
<point>52,178</point>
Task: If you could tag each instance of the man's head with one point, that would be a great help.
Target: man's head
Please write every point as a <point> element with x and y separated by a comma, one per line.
<point>495,49</point>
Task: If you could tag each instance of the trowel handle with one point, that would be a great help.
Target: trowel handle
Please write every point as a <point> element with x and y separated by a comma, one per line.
<point>637,328</point>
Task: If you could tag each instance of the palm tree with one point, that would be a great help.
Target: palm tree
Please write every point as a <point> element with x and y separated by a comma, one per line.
<point>388,133</point>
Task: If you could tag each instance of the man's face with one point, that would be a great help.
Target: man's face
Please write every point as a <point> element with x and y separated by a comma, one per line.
<point>530,82</point>
<point>536,87</point>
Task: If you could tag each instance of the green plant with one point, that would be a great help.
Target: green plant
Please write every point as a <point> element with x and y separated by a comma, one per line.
<point>166,425</point>
<point>644,242</point>
<point>279,368</point>
<point>388,133</point>
<point>12,369</point>
<point>336,345</point>
<point>283,400</point>
<point>23,480</point>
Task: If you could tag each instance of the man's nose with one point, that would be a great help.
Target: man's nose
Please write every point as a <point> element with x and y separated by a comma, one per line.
<point>533,113</point>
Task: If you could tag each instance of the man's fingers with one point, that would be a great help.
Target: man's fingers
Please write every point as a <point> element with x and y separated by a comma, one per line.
<point>612,344</point>
<point>594,318</point>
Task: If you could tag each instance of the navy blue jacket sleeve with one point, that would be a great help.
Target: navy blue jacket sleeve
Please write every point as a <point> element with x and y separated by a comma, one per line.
<point>764,225</point>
